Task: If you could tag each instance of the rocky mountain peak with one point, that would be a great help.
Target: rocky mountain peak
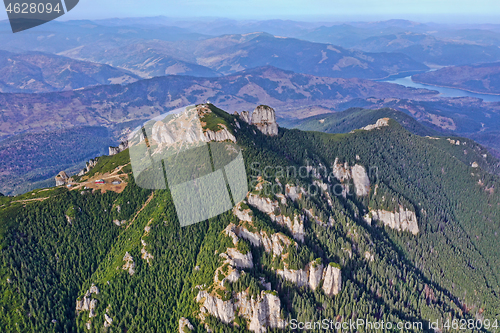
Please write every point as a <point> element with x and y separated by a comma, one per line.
<point>264,117</point>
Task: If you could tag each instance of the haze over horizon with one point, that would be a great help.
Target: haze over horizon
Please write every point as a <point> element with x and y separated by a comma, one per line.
<point>440,11</point>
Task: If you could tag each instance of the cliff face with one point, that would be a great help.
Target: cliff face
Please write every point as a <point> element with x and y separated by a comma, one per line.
<point>238,259</point>
<point>261,311</point>
<point>271,208</point>
<point>332,280</point>
<point>356,173</point>
<point>312,275</point>
<point>401,220</point>
<point>219,136</point>
<point>264,117</point>
<point>121,147</point>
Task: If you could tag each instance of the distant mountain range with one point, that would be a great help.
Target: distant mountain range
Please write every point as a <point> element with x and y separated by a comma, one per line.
<point>114,104</point>
<point>232,53</point>
<point>160,46</point>
<point>35,72</point>
<point>422,47</point>
<point>482,78</point>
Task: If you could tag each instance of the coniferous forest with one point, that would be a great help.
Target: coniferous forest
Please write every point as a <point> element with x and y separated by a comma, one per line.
<point>57,243</point>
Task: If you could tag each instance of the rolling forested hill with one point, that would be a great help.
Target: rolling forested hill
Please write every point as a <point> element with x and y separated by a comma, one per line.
<point>379,224</point>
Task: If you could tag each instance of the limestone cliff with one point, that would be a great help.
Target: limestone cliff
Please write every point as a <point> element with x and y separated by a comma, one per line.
<point>185,326</point>
<point>121,147</point>
<point>221,135</point>
<point>272,209</point>
<point>358,174</point>
<point>264,118</point>
<point>313,274</point>
<point>261,311</point>
<point>402,219</point>
<point>237,259</point>
<point>332,280</point>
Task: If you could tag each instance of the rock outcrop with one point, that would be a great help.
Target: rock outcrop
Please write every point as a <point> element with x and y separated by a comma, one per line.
<point>262,311</point>
<point>382,122</point>
<point>401,220</point>
<point>61,178</point>
<point>242,214</point>
<point>221,135</point>
<point>107,320</point>
<point>185,326</point>
<point>121,147</point>
<point>88,166</point>
<point>332,280</point>
<point>296,226</point>
<point>264,118</point>
<point>87,303</point>
<point>129,263</point>
<point>246,117</point>
<point>313,274</point>
<point>298,277</point>
<point>145,254</point>
<point>237,259</point>
<point>271,208</point>
<point>223,310</point>
<point>357,173</point>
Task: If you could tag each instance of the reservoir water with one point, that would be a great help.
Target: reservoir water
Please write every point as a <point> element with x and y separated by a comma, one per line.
<point>444,92</point>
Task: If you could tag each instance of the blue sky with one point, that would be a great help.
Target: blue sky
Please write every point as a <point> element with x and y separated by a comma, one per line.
<point>337,10</point>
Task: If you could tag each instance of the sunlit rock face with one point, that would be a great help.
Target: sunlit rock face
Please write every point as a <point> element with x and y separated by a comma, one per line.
<point>332,283</point>
<point>358,174</point>
<point>401,220</point>
<point>263,117</point>
<point>262,311</point>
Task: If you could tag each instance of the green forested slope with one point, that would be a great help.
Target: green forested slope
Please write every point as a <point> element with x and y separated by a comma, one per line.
<point>53,250</point>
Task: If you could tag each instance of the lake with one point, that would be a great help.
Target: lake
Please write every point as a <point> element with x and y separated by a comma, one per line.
<point>444,92</point>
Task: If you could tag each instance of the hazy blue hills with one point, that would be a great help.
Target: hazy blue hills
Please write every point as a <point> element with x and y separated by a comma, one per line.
<point>35,72</point>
